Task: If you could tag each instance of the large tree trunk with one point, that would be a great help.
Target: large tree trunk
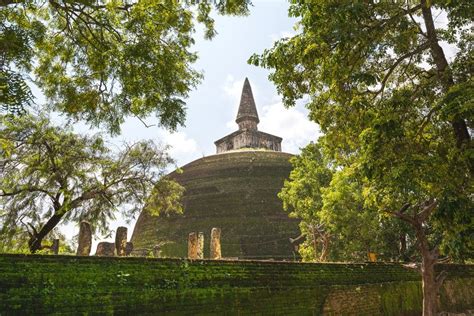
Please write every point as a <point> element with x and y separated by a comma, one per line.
<point>430,281</point>
<point>36,238</point>
<point>429,259</point>
<point>458,123</point>
<point>430,292</point>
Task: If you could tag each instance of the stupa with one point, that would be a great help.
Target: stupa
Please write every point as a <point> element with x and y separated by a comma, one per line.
<point>235,190</point>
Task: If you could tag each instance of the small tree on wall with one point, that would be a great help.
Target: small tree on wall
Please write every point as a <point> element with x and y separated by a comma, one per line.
<point>51,175</point>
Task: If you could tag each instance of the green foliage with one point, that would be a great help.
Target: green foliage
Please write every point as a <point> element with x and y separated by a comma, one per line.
<point>334,200</point>
<point>310,173</point>
<point>396,115</point>
<point>50,174</point>
<point>16,241</point>
<point>101,61</point>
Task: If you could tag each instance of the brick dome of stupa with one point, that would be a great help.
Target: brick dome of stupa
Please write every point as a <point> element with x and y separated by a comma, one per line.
<point>235,190</point>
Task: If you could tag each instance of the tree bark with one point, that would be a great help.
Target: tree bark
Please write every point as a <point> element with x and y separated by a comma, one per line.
<point>431,283</point>
<point>315,242</point>
<point>458,124</point>
<point>430,291</point>
<point>37,237</point>
<point>4,3</point>
<point>325,240</point>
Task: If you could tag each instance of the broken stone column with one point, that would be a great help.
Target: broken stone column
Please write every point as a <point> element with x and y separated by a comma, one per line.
<point>105,249</point>
<point>215,243</point>
<point>200,250</point>
<point>192,245</point>
<point>121,241</point>
<point>55,246</point>
<point>128,248</point>
<point>85,239</point>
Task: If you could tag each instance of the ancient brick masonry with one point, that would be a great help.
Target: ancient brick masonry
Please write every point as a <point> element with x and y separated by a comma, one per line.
<point>235,190</point>
<point>248,135</point>
<point>38,285</point>
<point>85,239</point>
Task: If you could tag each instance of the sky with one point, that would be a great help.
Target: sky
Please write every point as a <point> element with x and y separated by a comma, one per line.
<point>212,106</point>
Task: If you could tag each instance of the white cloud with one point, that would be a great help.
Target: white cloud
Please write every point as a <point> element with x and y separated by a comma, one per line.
<point>233,88</point>
<point>283,34</point>
<point>291,124</point>
<point>182,148</point>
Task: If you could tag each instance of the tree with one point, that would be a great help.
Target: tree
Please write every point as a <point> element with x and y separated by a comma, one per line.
<point>393,108</point>
<point>336,223</point>
<point>352,54</point>
<point>51,175</point>
<point>101,61</point>
<point>17,242</point>
<point>301,196</point>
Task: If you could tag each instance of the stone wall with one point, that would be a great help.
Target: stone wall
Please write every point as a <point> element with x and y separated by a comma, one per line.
<point>33,284</point>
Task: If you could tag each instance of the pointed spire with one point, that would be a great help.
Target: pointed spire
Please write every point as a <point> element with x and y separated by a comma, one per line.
<point>247,117</point>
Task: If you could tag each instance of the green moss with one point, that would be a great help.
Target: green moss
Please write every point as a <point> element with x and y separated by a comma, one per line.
<point>401,298</point>
<point>457,295</point>
<point>62,284</point>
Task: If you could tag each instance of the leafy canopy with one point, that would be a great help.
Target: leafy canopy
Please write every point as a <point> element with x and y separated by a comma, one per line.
<point>101,61</point>
<point>332,200</point>
<point>394,110</point>
<point>49,175</point>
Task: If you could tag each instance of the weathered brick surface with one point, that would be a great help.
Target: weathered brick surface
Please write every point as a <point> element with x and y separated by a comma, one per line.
<point>65,284</point>
<point>236,192</point>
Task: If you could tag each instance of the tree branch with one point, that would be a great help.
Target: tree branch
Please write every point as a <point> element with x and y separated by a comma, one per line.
<point>400,214</point>
<point>427,210</point>
<point>29,189</point>
<point>397,62</point>
<point>463,138</point>
<point>4,3</point>
<point>439,280</point>
<point>143,122</point>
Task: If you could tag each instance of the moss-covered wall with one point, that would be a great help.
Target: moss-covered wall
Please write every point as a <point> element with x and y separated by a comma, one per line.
<point>66,284</point>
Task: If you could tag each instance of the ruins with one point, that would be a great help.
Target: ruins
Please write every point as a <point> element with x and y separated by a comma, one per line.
<point>235,190</point>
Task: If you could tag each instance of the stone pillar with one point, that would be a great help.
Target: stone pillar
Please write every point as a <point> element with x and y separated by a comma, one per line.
<point>55,246</point>
<point>121,241</point>
<point>156,251</point>
<point>200,250</point>
<point>105,249</point>
<point>128,248</point>
<point>192,245</point>
<point>216,243</point>
<point>85,239</point>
